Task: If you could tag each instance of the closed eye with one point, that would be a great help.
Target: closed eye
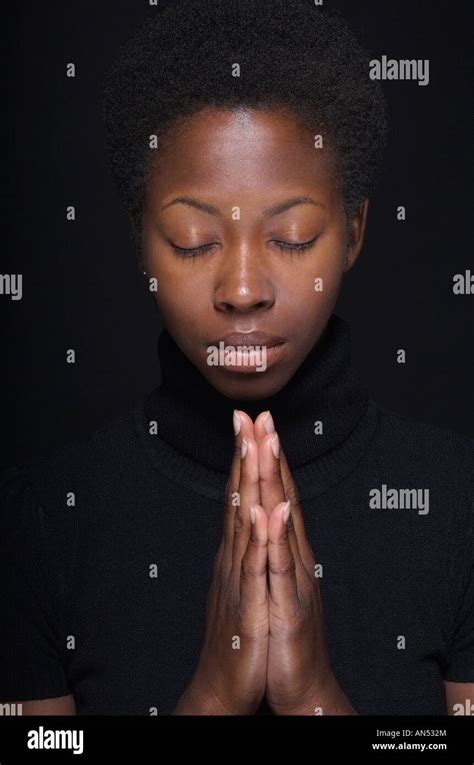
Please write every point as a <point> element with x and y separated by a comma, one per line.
<point>193,252</point>
<point>295,246</point>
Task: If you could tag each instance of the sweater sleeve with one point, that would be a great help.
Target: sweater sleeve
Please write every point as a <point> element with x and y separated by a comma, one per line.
<point>460,667</point>
<point>30,666</point>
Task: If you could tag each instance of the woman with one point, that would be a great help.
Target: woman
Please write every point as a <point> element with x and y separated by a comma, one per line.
<point>318,558</point>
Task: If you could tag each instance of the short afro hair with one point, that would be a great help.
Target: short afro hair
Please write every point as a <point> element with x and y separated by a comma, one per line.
<point>292,54</point>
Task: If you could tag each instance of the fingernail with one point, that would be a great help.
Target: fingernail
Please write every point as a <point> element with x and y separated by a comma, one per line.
<point>268,423</point>
<point>286,512</point>
<point>237,422</point>
<point>275,443</point>
<point>253,514</point>
<point>243,448</point>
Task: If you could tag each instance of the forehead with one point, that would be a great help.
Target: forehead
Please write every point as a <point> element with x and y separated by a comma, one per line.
<point>241,149</point>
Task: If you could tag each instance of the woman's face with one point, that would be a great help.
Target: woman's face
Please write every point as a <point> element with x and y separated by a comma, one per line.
<point>228,187</point>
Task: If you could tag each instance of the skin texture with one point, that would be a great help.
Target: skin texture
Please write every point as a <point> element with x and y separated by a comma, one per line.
<point>253,160</point>
<point>263,586</point>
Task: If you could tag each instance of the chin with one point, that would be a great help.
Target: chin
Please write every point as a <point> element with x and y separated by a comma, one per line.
<point>247,387</point>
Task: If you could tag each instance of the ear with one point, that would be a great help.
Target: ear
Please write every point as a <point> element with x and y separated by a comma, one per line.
<point>355,236</point>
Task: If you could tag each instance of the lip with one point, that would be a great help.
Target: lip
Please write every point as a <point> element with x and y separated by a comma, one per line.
<point>251,338</point>
<point>273,347</point>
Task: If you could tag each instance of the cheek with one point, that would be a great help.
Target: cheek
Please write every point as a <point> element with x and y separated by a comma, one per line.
<point>177,291</point>
<point>316,278</point>
<point>180,295</point>
<point>329,262</point>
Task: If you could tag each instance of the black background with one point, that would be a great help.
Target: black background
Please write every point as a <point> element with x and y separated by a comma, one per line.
<point>81,285</point>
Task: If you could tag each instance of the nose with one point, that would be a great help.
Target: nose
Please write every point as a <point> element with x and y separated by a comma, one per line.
<point>243,283</point>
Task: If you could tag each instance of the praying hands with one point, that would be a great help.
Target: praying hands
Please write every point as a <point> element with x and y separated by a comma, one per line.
<point>264,630</point>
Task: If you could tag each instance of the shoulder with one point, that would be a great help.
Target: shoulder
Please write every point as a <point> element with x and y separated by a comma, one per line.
<point>424,448</point>
<point>87,465</point>
<point>438,461</point>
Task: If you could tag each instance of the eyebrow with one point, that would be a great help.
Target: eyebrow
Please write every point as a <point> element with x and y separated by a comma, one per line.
<point>270,212</point>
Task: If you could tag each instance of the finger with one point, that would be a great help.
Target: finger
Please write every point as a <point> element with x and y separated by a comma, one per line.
<point>291,494</point>
<point>253,572</point>
<point>301,573</point>
<point>264,425</point>
<point>249,494</point>
<point>282,577</point>
<point>272,490</point>
<point>243,428</point>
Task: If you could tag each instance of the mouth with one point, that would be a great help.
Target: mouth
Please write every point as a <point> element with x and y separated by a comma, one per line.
<point>246,352</point>
<point>251,338</point>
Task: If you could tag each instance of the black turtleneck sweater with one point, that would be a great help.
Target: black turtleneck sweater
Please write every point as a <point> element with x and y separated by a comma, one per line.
<point>107,544</point>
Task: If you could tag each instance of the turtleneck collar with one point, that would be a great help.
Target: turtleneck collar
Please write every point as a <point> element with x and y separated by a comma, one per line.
<point>196,420</point>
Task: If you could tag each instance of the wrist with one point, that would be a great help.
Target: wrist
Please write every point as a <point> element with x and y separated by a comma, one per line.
<point>329,700</point>
<point>334,703</point>
<point>197,701</point>
<point>200,699</point>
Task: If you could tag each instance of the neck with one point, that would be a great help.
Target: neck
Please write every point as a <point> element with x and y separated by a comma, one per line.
<point>315,412</point>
